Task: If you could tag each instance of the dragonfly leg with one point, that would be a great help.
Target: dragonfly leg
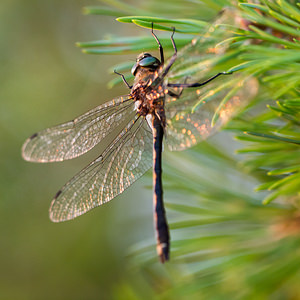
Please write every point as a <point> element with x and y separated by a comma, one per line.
<point>160,47</point>
<point>124,79</point>
<point>173,57</point>
<point>197,84</point>
<point>172,94</point>
<point>173,42</point>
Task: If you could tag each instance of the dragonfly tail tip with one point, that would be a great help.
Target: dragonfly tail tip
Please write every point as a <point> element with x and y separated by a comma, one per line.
<point>163,251</point>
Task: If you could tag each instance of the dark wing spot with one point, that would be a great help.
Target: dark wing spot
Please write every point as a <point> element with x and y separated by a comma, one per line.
<point>57,194</point>
<point>33,136</point>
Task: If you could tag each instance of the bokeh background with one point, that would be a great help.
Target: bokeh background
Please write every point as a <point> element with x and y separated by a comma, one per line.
<point>225,244</point>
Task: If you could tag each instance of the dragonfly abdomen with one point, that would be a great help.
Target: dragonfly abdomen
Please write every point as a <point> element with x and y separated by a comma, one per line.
<point>160,221</point>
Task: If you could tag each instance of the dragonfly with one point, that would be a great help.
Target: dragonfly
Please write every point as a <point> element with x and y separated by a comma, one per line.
<point>153,108</point>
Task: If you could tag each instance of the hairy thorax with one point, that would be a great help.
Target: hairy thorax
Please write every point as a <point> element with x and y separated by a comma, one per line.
<point>149,92</point>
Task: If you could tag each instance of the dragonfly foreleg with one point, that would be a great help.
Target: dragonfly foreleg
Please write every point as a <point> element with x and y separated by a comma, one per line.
<point>124,79</point>
<point>160,47</point>
<point>173,42</point>
<point>173,57</point>
<point>197,84</point>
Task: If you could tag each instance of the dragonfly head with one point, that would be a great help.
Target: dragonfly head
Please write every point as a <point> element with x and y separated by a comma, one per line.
<point>146,60</point>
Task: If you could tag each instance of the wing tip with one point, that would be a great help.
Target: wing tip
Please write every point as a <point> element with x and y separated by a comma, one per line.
<point>52,213</point>
<point>25,155</point>
<point>57,195</point>
<point>56,213</point>
<point>33,136</point>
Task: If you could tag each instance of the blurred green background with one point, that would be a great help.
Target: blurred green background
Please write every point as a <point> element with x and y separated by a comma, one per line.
<point>225,245</point>
<point>46,80</point>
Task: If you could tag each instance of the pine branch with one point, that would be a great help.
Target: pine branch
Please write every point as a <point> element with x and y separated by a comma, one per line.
<point>230,246</point>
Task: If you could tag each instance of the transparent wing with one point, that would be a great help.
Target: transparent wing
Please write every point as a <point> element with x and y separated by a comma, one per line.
<point>197,61</point>
<point>190,121</point>
<point>127,158</point>
<point>74,138</point>
<point>200,112</point>
<point>205,55</point>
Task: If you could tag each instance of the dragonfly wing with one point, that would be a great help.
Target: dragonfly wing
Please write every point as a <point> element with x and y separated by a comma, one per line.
<point>200,112</point>
<point>198,60</point>
<point>197,114</point>
<point>127,158</point>
<point>74,138</point>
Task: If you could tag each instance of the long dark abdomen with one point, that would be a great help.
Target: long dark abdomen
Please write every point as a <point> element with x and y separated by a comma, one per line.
<point>162,230</point>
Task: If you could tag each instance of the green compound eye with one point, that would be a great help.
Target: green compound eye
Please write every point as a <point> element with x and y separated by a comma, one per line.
<point>147,61</point>
<point>134,68</point>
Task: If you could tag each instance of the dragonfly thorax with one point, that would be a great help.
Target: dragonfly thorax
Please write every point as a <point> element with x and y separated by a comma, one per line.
<point>149,97</point>
<point>148,90</point>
